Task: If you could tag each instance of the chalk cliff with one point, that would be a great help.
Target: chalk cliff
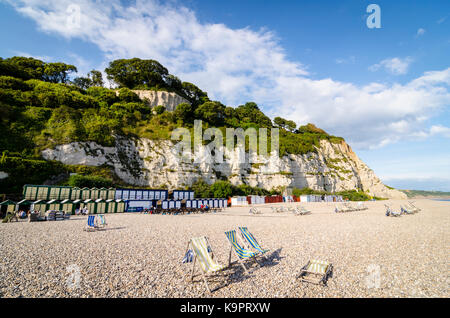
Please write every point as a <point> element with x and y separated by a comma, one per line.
<point>167,99</point>
<point>144,162</point>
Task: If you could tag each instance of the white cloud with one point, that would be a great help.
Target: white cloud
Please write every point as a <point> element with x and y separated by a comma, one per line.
<point>420,32</point>
<point>239,65</point>
<point>348,60</point>
<point>441,20</point>
<point>396,65</point>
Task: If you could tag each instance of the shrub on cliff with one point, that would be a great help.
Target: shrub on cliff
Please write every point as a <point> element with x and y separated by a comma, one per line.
<point>222,189</point>
<point>81,181</point>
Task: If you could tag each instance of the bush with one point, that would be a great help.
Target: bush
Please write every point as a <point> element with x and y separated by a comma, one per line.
<point>222,189</point>
<point>81,181</point>
<point>201,189</point>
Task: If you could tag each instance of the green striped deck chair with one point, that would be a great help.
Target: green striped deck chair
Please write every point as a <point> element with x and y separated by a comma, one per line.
<point>238,250</point>
<point>205,259</point>
<point>248,237</point>
<point>102,219</point>
<point>316,272</point>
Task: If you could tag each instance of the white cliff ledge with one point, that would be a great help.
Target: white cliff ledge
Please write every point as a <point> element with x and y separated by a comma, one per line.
<point>144,162</point>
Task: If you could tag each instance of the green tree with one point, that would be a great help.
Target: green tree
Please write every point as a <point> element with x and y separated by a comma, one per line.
<point>222,189</point>
<point>82,82</point>
<point>201,189</point>
<point>212,112</point>
<point>136,73</point>
<point>194,94</point>
<point>58,72</point>
<point>81,181</point>
<point>159,109</point>
<point>183,112</point>
<point>96,78</point>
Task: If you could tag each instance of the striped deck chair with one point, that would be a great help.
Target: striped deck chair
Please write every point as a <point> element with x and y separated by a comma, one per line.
<point>315,272</point>
<point>406,210</point>
<point>203,253</point>
<point>248,237</point>
<point>301,211</point>
<point>411,204</point>
<point>390,212</point>
<point>240,252</point>
<point>102,219</point>
<point>91,223</point>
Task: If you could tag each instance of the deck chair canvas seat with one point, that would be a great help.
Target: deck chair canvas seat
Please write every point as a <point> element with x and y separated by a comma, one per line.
<point>102,220</point>
<point>252,242</point>
<point>91,223</point>
<point>315,272</point>
<point>240,252</point>
<point>203,254</point>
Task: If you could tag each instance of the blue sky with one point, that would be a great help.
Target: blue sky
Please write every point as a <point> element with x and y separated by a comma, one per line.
<point>385,90</point>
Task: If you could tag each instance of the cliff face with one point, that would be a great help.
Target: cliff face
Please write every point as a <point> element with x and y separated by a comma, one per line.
<point>155,98</point>
<point>144,162</point>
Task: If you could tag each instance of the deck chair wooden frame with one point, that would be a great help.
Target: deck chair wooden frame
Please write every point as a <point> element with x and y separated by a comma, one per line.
<point>247,254</point>
<point>192,244</point>
<point>315,277</point>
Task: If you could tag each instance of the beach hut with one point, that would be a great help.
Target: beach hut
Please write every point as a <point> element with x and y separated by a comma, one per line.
<point>68,206</point>
<point>95,194</point>
<point>90,205</point>
<point>100,206</point>
<point>23,205</point>
<point>39,205</point>
<point>120,208</point>
<point>75,194</point>
<point>111,206</point>
<point>7,206</point>
<point>164,204</point>
<point>111,194</point>
<point>239,201</point>
<point>54,205</point>
<point>65,193</point>
<point>30,192</point>
<point>178,204</point>
<point>103,194</point>
<point>54,193</point>
<point>43,193</point>
<point>85,194</point>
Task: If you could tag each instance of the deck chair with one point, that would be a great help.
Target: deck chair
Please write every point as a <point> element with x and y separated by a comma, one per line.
<point>341,209</point>
<point>411,207</point>
<point>199,249</point>
<point>302,211</point>
<point>315,272</point>
<point>361,206</point>
<point>411,203</point>
<point>255,211</point>
<point>390,212</point>
<point>91,223</point>
<point>250,239</point>
<point>240,252</point>
<point>406,210</point>
<point>102,220</point>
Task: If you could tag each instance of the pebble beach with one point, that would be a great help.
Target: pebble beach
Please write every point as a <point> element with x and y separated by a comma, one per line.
<point>140,255</point>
